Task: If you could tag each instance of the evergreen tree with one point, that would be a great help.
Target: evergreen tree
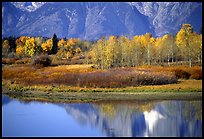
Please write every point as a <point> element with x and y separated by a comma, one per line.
<point>54,42</point>
<point>12,44</point>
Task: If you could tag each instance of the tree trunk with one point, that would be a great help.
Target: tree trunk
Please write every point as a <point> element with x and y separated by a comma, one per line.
<point>168,59</point>
<point>176,60</point>
<point>148,55</point>
<point>190,62</point>
<point>172,56</point>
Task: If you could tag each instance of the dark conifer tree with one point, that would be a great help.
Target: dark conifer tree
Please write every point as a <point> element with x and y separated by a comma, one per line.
<point>12,44</point>
<point>54,42</point>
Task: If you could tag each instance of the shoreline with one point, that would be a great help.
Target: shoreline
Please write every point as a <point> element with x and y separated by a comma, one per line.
<point>82,95</point>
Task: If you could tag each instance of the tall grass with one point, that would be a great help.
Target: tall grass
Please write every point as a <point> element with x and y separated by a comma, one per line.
<point>181,72</point>
<point>88,77</point>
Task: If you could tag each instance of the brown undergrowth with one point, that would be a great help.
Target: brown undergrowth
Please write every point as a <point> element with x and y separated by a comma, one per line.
<point>87,76</point>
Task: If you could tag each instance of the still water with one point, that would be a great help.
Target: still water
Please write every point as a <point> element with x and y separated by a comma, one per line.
<point>154,118</point>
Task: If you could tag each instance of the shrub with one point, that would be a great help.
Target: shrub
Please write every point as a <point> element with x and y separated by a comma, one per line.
<point>58,61</point>
<point>23,61</point>
<point>9,60</point>
<point>74,61</point>
<point>196,75</point>
<point>43,60</point>
<point>12,55</point>
<point>182,74</point>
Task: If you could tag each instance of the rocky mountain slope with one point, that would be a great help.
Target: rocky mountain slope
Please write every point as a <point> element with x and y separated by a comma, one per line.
<point>88,20</point>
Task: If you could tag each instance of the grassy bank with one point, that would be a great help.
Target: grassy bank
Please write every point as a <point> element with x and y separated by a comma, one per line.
<point>60,83</point>
<point>183,90</point>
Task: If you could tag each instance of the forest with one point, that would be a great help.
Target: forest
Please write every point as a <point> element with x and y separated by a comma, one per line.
<point>113,51</point>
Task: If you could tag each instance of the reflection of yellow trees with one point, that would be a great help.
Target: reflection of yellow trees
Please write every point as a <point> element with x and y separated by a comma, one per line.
<point>108,110</point>
<point>146,107</point>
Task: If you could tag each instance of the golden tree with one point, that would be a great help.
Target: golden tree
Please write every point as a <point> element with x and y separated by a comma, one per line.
<point>6,47</point>
<point>19,51</point>
<point>47,46</point>
<point>183,41</point>
<point>169,47</point>
<point>78,50</point>
<point>61,43</point>
<point>30,47</point>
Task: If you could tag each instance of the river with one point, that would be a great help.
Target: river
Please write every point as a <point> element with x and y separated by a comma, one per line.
<point>117,118</point>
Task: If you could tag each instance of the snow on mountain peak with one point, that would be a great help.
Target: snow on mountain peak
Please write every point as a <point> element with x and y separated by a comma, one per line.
<point>166,16</point>
<point>28,6</point>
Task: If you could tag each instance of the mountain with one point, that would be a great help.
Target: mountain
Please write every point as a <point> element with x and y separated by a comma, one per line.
<point>10,17</point>
<point>168,17</point>
<point>28,6</point>
<point>92,20</point>
<point>170,118</point>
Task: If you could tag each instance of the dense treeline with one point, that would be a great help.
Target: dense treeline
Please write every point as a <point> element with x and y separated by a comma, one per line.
<point>26,46</point>
<point>147,50</point>
<point>114,51</point>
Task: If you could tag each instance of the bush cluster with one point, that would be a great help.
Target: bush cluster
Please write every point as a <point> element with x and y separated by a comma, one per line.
<point>108,78</point>
<point>43,60</point>
<point>9,60</point>
<point>182,74</point>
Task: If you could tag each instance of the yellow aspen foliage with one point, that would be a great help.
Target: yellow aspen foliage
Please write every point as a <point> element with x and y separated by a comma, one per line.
<point>196,44</point>
<point>112,39</point>
<point>143,41</point>
<point>19,51</point>
<point>78,50</point>
<point>158,48</point>
<point>184,35</point>
<point>200,40</point>
<point>6,44</point>
<point>183,41</point>
<point>30,46</point>
<point>158,42</point>
<point>152,41</point>
<point>61,43</point>
<point>39,41</point>
<point>71,42</point>
<point>47,46</point>
<point>21,41</point>
<point>110,52</point>
<point>200,44</point>
<point>5,48</point>
<point>69,55</point>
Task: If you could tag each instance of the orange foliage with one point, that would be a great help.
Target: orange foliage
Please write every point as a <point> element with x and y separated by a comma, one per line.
<point>19,51</point>
<point>61,43</point>
<point>47,46</point>
<point>71,41</point>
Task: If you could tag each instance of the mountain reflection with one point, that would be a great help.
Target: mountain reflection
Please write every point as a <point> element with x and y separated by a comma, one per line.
<point>5,100</point>
<point>167,118</point>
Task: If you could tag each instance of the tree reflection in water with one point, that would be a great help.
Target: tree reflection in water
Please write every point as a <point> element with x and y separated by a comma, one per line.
<point>125,118</point>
